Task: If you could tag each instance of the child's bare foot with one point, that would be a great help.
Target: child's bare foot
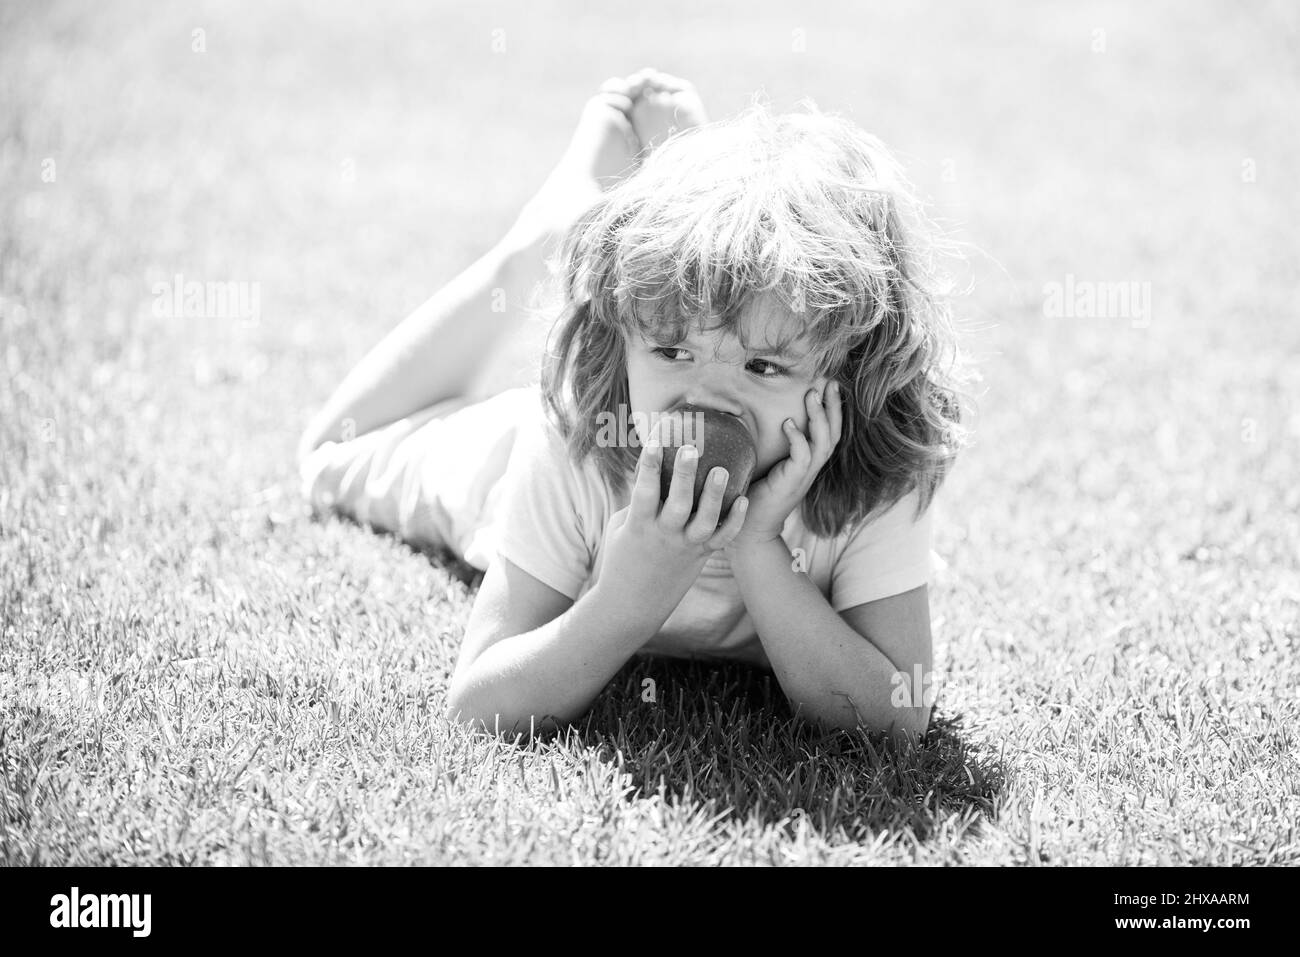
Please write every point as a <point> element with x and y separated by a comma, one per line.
<point>628,118</point>
<point>603,150</point>
<point>666,104</point>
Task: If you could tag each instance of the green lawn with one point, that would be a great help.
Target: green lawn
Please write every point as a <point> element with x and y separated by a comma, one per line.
<point>192,670</point>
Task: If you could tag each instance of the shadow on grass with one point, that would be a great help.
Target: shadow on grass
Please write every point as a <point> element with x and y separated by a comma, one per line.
<point>448,561</point>
<point>725,734</point>
<point>439,557</point>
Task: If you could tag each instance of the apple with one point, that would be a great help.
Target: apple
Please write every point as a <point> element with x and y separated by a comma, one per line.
<point>723,440</point>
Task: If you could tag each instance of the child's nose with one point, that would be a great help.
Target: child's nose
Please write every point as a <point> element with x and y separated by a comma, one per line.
<point>713,387</point>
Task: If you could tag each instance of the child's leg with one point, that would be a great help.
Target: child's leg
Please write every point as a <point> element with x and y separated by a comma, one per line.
<point>375,452</point>
<point>438,351</point>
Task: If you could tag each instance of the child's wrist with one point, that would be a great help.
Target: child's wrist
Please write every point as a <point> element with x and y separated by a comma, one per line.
<point>636,610</point>
<point>752,541</point>
<point>749,552</point>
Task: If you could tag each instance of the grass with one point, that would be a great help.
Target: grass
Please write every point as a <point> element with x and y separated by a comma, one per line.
<point>193,671</point>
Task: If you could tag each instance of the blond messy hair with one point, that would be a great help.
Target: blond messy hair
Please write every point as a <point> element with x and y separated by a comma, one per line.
<point>805,206</point>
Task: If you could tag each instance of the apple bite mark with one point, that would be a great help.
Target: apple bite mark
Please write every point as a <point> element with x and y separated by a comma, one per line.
<point>722,440</point>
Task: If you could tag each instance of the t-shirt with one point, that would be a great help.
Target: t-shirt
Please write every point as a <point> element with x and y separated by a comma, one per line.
<point>495,478</point>
<point>551,524</point>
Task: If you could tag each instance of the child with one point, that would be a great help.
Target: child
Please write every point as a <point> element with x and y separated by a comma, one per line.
<point>772,268</point>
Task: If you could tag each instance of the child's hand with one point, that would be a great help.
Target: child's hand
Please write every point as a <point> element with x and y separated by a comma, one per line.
<point>781,490</point>
<point>657,553</point>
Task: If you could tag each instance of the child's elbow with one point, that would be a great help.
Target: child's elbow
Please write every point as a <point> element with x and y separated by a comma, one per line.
<point>483,717</point>
<point>910,728</point>
<point>899,723</point>
<point>457,709</point>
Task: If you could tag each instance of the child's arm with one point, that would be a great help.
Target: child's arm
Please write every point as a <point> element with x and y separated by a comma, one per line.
<point>530,657</point>
<point>838,668</point>
<point>533,656</point>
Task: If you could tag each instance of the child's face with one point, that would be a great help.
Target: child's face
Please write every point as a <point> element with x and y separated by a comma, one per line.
<point>711,370</point>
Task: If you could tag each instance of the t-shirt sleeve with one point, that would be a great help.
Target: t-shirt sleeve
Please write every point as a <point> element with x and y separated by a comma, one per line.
<point>545,511</point>
<point>885,555</point>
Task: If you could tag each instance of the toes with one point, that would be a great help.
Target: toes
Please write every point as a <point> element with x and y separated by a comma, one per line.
<point>640,81</point>
<point>619,101</point>
<point>672,84</point>
<point>615,108</point>
<point>616,84</point>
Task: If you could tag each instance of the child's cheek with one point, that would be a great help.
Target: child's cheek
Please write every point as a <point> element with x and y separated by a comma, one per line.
<point>773,447</point>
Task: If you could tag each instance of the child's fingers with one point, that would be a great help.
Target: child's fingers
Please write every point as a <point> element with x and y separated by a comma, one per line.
<point>835,412</point>
<point>618,520</point>
<point>645,491</point>
<point>681,493</point>
<point>732,526</point>
<point>800,454</point>
<point>819,426</point>
<point>705,521</point>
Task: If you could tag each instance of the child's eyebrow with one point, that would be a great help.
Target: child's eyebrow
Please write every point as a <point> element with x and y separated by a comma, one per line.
<point>785,352</point>
<point>765,349</point>
<point>788,352</point>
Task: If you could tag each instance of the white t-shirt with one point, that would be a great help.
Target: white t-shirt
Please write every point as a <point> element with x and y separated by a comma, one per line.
<point>495,478</point>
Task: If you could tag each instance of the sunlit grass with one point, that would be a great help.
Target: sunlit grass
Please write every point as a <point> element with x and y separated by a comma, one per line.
<point>194,671</point>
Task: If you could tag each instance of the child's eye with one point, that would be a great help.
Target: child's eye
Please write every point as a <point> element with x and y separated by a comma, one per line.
<point>767,370</point>
<point>775,371</point>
